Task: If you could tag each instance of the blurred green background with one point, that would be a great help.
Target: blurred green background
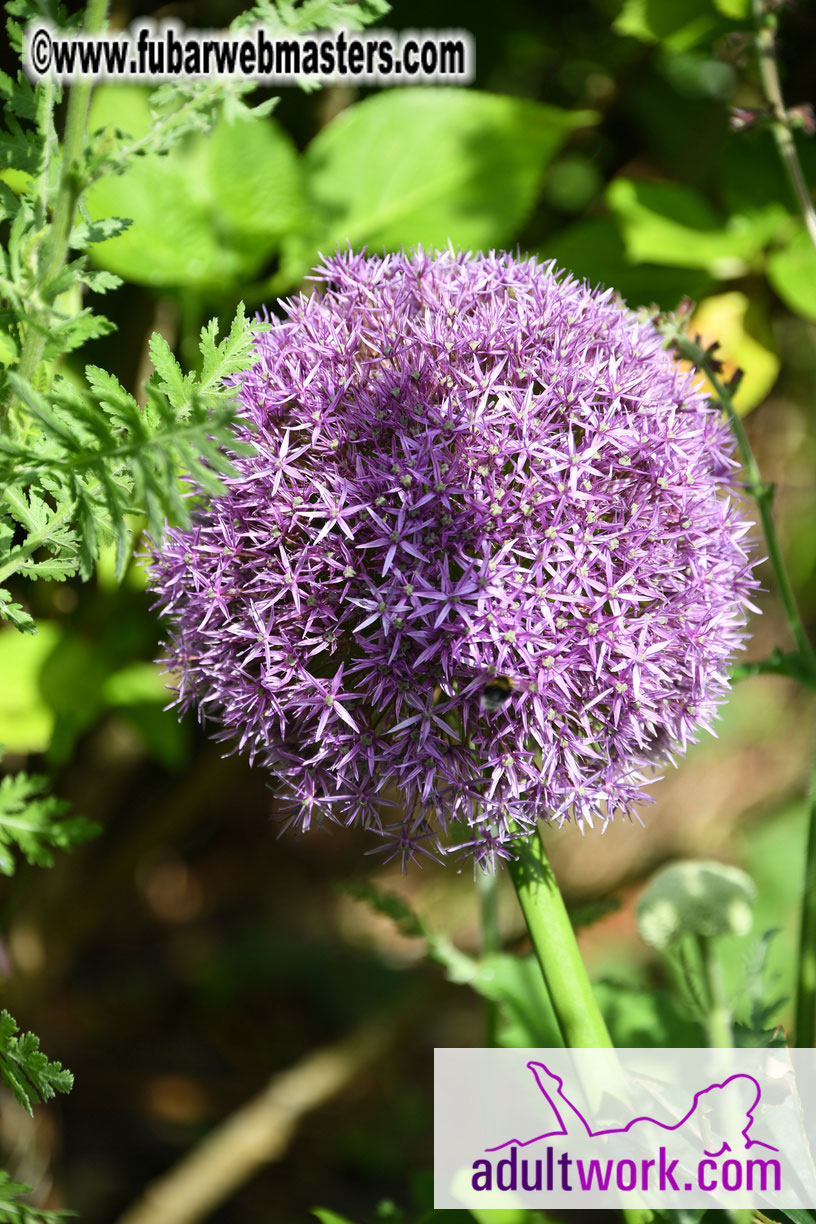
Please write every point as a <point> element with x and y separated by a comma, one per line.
<point>188,954</point>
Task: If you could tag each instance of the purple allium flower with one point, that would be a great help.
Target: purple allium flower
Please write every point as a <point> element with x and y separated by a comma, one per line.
<point>466,469</point>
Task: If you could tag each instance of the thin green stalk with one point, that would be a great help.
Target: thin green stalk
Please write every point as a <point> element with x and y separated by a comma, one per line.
<point>780,123</point>
<point>718,1010</point>
<point>762,494</point>
<point>71,186</point>
<point>578,1014</point>
<point>805,1016</point>
<point>487,883</point>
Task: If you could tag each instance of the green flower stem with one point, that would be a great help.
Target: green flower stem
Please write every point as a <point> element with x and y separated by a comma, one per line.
<point>718,1011</point>
<point>780,123</point>
<point>718,1017</point>
<point>762,494</point>
<point>805,1017</point>
<point>487,883</point>
<point>578,1014</point>
<point>70,188</point>
<point>579,1017</point>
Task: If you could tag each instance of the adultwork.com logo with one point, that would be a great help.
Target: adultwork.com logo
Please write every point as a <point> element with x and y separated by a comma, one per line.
<point>592,1128</point>
<point>711,1119</point>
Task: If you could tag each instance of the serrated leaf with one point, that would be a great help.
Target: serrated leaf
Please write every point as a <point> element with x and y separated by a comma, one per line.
<point>86,461</point>
<point>26,1069</point>
<point>170,378</point>
<point>16,614</point>
<point>90,232</point>
<point>34,823</point>
<point>15,1211</point>
<point>99,281</point>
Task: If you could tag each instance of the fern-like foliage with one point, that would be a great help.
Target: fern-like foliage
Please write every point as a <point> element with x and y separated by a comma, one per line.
<point>35,823</point>
<point>82,466</point>
<point>30,1075</point>
<point>13,1211</point>
<point>86,461</point>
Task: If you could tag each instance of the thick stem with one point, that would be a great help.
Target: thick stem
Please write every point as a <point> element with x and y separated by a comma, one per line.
<point>579,1017</point>
<point>780,123</point>
<point>71,186</point>
<point>805,1021</point>
<point>578,1014</point>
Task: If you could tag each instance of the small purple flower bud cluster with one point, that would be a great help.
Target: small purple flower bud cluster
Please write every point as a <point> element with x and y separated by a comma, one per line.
<point>468,471</point>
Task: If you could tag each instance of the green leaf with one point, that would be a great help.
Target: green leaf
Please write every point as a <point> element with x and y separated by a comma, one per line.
<point>49,548</point>
<point>500,1215</point>
<point>16,614</point>
<point>429,165</point>
<point>329,1217</point>
<point>206,214</point>
<point>34,823</point>
<point>638,1017</point>
<point>13,1211</point>
<point>525,1010</point>
<point>669,223</point>
<point>678,26</point>
<point>26,722</point>
<point>512,982</point>
<point>792,273</point>
<point>593,249</point>
<point>25,1069</point>
<point>388,904</point>
<point>737,10</point>
<point>103,230</point>
<point>257,181</point>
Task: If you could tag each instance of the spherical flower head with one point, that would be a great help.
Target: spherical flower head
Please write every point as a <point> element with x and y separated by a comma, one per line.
<point>481,566</point>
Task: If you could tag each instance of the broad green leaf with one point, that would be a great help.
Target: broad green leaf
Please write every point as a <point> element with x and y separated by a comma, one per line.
<point>678,25</point>
<point>206,214</point>
<point>745,341</point>
<point>792,273</point>
<point>26,720</point>
<point>256,176</point>
<point>668,223</point>
<point>593,249</point>
<point>429,166</point>
<point>737,10</point>
<point>135,684</point>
